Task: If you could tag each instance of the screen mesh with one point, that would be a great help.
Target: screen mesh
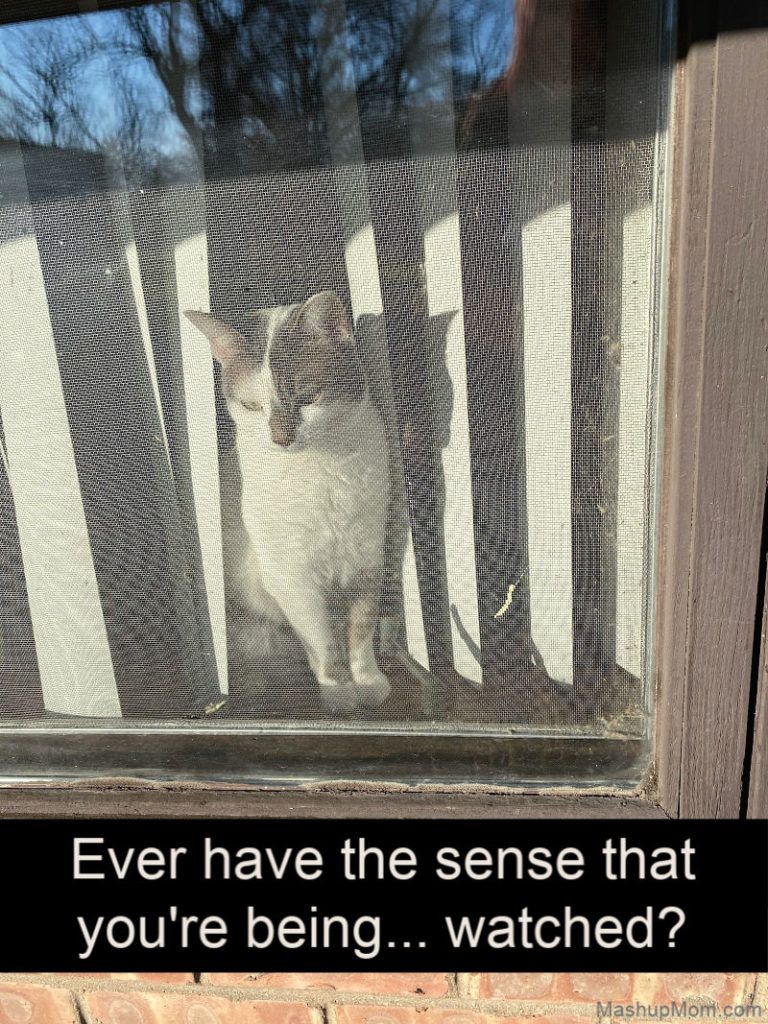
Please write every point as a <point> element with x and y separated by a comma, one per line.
<point>402,472</point>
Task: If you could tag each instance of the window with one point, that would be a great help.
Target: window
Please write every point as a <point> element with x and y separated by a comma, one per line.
<point>482,187</point>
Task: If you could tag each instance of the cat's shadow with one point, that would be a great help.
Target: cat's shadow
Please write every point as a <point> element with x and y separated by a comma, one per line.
<point>408,441</point>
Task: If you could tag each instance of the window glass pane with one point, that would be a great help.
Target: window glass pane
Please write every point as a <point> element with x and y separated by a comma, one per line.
<point>328,403</point>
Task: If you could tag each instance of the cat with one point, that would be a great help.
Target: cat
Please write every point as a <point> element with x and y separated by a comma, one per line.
<point>305,490</point>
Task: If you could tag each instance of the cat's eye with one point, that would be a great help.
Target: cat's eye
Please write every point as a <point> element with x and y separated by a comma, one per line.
<point>253,406</point>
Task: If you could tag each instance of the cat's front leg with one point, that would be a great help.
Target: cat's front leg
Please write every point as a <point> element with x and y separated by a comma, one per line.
<point>370,682</point>
<point>308,613</point>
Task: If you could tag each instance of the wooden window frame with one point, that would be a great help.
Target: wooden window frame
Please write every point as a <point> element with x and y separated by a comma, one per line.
<point>711,739</point>
<point>712,543</point>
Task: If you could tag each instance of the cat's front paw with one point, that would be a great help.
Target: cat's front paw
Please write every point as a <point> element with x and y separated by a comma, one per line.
<point>372,688</point>
<point>338,697</point>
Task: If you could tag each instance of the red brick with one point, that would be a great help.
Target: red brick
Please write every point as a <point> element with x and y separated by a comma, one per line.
<point>407,1015</point>
<point>161,979</point>
<point>591,987</point>
<point>724,989</point>
<point>418,1015</point>
<point>170,1008</point>
<point>34,1004</point>
<point>553,1018</point>
<point>562,987</point>
<point>515,986</point>
<point>378,984</point>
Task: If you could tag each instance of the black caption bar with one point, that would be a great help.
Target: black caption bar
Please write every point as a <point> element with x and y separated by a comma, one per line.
<point>356,895</point>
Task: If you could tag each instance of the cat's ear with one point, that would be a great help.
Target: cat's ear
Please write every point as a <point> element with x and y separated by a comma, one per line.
<point>328,362</point>
<point>324,315</point>
<point>226,342</point>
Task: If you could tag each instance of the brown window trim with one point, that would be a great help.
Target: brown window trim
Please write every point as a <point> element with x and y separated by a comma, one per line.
<point>716,420</point>
<point>758,747</point>
<point>712,499</point>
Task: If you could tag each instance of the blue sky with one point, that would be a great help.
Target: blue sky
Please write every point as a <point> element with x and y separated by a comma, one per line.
<point>106,82</point>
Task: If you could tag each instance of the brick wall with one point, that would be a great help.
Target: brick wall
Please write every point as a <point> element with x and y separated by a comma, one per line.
<point>362,998</point>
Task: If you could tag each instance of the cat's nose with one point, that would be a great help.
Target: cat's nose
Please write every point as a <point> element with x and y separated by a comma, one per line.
<point>282,428</point>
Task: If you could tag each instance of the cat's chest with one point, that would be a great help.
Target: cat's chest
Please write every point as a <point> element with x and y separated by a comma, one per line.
<point>324,504</point>
<point>308,478</point>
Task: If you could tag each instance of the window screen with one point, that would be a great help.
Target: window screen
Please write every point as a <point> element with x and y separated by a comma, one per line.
<point>329,359</point>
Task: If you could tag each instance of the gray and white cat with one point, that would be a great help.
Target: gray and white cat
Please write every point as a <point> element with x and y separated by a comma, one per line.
<point>305,491</point>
